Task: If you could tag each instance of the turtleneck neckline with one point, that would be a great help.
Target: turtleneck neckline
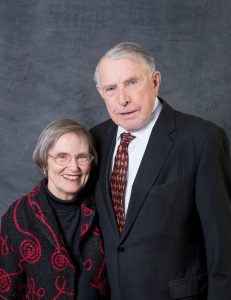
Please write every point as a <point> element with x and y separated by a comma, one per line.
<point>61,204</point>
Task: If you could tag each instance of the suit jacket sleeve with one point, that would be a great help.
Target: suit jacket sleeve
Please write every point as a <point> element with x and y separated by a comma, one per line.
<point>213,199</point>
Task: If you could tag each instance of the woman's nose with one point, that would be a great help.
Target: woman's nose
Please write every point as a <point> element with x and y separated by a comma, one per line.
<point>74,164</point>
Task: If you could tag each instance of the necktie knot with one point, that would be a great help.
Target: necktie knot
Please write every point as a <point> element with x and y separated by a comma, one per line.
<point>126,138</point>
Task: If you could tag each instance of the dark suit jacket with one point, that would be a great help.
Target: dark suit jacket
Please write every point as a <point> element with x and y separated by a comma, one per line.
<point>34,260</point>
<point>177,238</point>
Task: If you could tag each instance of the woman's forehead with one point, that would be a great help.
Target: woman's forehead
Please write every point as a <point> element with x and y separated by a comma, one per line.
<point>69,140</point>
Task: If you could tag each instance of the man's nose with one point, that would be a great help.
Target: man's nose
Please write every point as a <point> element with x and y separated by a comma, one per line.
<point>123,97</point>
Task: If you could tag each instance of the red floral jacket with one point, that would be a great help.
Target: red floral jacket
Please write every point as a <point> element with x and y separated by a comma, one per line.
<point>34,261</point>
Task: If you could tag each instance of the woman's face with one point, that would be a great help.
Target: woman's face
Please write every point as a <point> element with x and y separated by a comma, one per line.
<point>67,180</point>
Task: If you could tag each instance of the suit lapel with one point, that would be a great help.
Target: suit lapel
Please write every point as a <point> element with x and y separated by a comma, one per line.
<point>107,154</point>
<point>159,146</point>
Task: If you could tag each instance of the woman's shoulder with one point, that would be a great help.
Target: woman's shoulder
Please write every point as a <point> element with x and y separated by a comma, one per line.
<point>12,210</point>
<point>20,206</point>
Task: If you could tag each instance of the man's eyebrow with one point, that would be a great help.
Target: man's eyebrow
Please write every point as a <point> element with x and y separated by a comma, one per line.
<point>106,86</point>
<point>130,79</point>
<point>126,81</point>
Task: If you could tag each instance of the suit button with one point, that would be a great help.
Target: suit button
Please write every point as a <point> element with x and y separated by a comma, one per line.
<point>120,248</point>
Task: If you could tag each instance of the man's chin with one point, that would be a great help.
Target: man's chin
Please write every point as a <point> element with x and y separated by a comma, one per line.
<point>130,125</point>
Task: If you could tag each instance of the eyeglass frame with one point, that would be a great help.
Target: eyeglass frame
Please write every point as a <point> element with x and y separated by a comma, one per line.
<point>76,159</point>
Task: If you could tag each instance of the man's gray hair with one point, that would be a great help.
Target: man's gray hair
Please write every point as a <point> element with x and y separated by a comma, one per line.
<point>127,50</point>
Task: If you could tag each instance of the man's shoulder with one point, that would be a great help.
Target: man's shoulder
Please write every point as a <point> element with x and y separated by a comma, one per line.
<point>193,126</point>
<point>195,123</point>
<point>102,126</point>
<point>187,120</point>
<point>99,131</point>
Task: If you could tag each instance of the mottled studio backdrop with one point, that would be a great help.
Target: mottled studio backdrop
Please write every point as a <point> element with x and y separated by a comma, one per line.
<point>49,49</point>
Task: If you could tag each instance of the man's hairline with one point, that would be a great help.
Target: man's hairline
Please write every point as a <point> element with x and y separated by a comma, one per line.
<point>129,57</point>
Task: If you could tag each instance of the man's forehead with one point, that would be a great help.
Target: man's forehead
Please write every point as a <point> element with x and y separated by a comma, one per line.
<point>120,69</point>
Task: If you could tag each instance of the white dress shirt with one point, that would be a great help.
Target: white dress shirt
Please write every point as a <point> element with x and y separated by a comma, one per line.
<point>136,149</point>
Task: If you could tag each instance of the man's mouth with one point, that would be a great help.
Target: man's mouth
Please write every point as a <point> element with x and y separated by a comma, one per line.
<point>128,114</point>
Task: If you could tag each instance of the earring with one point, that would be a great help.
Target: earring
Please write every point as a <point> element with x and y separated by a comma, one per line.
<point>45,172</point>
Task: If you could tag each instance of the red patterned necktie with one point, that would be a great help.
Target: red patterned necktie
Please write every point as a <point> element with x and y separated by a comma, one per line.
<point>119,178</point>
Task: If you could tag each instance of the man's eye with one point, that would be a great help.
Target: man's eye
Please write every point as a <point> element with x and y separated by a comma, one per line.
<point>132,82</point>
<point>109,89</point>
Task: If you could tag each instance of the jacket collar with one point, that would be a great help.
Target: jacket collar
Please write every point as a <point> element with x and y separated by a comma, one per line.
<point>45,216</point>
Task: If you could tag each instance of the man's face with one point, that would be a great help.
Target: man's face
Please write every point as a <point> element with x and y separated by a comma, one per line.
<point>129,90</point>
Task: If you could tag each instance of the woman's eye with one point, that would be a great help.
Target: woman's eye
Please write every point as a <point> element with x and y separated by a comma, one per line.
<point>62,155</point>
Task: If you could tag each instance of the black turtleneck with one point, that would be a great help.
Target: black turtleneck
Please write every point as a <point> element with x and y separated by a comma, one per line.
<point>68,217</point>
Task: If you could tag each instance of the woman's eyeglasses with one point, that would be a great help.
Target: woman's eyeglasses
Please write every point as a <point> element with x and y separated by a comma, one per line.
<point>83,159</point>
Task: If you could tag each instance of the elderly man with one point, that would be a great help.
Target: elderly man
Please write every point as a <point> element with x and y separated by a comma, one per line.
<point>163,190</point>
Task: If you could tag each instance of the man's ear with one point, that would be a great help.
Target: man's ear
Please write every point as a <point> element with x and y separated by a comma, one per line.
<point>99,89</point>
<point>156,79</point>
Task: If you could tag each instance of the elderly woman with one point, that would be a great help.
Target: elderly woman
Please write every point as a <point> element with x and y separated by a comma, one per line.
<point>50,242</point>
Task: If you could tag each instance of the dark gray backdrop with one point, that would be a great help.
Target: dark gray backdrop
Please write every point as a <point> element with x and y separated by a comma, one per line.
<point>49,49</point>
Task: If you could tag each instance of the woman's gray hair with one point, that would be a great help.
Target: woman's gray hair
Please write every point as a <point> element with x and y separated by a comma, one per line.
<point>129,51</point>
<point>53,132</point>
